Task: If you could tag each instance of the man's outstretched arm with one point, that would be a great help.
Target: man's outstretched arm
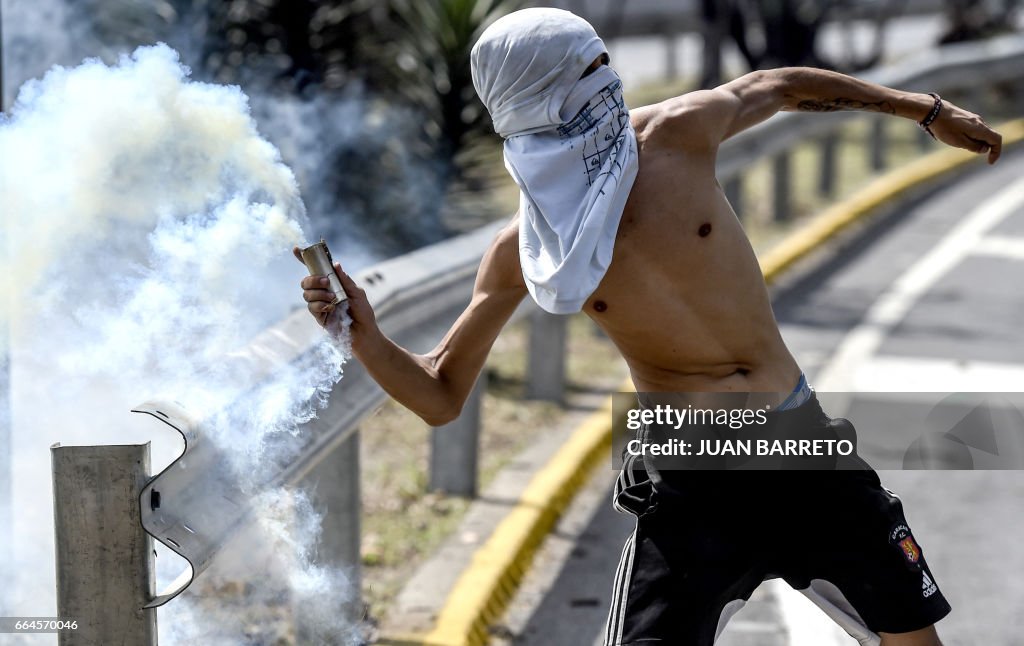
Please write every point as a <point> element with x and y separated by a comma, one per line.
<point>750,99</point>
<point>433,385</point>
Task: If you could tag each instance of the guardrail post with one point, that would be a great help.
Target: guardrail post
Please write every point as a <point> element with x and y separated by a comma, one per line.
<point>977,100</point>
<point>924,140</point>
<point>734,193</point>
<point>104,557</point>
<point>781,187</point>
<point>827,178</point>
<point>714,28</point>
<point>335,492</point>
<point>671,52</point>
<point>546,363</point>
<point>1015,93</point>
<point>454,447</point>
<point>879,144</point>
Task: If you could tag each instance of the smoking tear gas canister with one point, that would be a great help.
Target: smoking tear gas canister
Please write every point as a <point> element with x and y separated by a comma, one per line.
<point>319,262</point>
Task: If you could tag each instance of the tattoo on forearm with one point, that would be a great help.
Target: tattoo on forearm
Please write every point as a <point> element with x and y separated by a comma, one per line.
<point>834,105</point>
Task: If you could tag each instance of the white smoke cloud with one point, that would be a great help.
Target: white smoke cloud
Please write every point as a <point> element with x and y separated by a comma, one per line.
<point>372,184</point>
<point>96,147</point>
<point>147,229</point>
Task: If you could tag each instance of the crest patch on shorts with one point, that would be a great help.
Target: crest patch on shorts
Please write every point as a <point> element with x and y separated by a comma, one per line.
<point>900,537</point>
<point>910,549</point>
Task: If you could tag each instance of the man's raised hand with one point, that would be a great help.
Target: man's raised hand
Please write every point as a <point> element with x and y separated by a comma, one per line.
<point>962,129</point>
<point>316,292</point>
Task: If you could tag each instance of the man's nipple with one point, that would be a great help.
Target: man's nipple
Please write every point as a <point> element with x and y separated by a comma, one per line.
<point>704,230</point>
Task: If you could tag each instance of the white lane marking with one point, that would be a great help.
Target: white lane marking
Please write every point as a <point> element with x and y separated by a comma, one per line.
<point>1011,247</point>
<point>920,375</point>
<point>806,624</point>
<point>864,340</point>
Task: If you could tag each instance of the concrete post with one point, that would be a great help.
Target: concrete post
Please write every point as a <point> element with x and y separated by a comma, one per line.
<point>546,363</point>
<point>827,178</point>
<point>455,446</point>
<point>671,55</point>
<point>924,140</point>
<point>978,100</point>
<point>335,491</point>
<point>714,25</point>
<point>781,187</point>
<point>1015,95</point>
<point>879,145</point>
<point>104,557</point>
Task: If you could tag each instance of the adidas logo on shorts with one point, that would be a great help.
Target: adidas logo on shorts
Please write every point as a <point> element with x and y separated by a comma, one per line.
<point>928,587</point>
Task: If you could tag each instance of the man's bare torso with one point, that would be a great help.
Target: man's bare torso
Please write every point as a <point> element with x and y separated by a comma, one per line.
<point>684,298</point>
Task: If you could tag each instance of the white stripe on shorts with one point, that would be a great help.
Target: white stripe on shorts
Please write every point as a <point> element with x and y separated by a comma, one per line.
<point>620,592</point>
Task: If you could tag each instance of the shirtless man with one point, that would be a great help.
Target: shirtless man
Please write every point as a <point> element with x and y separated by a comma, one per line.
<point>684,300</point>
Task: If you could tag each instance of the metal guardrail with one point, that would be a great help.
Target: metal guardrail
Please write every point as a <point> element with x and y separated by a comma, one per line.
<point>417,296</point>
<point>194,504</point>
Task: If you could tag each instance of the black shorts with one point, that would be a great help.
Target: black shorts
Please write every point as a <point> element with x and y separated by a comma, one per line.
<point>704,540</point>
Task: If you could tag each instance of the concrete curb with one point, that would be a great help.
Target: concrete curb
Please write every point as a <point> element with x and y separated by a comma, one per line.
<point>483,591</point>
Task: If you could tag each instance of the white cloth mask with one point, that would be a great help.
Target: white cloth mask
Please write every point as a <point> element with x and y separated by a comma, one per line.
<point>569,146</point>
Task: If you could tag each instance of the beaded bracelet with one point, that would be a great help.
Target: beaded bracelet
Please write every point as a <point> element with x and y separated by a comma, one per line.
<point>936,109</point>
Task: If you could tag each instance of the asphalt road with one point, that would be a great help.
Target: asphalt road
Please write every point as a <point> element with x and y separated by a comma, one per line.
<point>927,300</point>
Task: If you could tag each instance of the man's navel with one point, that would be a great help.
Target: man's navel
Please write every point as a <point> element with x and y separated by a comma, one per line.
<point>600,306</point>
<point>704,230</point>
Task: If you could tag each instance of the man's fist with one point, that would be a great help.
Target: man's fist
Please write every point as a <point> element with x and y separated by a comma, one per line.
<point>963,129</point>
<point>318,297</point>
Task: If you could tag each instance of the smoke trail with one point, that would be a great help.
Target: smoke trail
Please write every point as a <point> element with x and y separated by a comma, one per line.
<point>147,229</point>
<point>369,164</point>
<point>33,41</point>
<point>373,184</point>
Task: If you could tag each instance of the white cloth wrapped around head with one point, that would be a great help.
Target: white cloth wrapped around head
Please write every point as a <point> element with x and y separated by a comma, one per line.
<point>569,146</point>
